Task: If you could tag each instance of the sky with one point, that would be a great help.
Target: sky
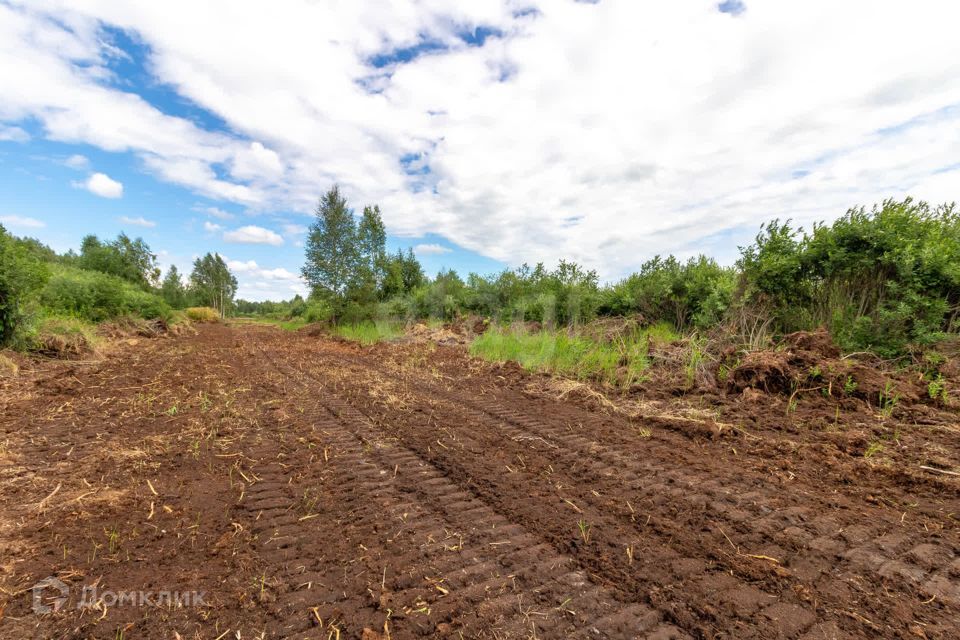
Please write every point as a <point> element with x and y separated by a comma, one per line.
<point>491,132</point>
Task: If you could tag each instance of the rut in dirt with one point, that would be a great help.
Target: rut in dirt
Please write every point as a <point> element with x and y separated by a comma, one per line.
<point>408,491</point>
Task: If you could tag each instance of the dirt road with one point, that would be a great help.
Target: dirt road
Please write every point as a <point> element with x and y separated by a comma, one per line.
<point>251,483</point>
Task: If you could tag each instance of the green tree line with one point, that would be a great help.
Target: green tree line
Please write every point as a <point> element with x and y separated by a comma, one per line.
<point>106,279</point>
<point>881,279</point>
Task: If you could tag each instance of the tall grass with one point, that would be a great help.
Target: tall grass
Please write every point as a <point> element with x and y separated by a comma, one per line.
<point>619,361</point>
<point>367,333</point>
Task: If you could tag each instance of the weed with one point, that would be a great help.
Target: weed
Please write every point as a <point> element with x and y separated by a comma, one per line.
<point>937,389</point>
<point>584,530</point>
<point>695,359</point>
<point>873,449</point>
<point>644,432</point>
<point>850,386</point>
<point>113,539</point>
<point>888,399</point>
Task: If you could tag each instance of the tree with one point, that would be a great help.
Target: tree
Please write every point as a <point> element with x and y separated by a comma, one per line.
<point>172,289</point>
<point>331,248</point>
<point>129,259</point>
<point>402,274</point>
<point>212,283</point>
<point>371,253</point>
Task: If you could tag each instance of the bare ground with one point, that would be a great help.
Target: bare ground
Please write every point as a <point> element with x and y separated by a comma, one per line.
<point>310,488</point>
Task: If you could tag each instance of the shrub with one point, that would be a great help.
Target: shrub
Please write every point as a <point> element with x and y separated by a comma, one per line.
<point>880,280</point>
<point>95,296</point>
<point>22,274</point>
<point>202,314</point>
<point>317,311</point>
<point>696,293</point>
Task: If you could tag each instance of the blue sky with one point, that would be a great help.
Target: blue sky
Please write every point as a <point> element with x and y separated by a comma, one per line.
<point>45,197</point>
<point>490,134</point>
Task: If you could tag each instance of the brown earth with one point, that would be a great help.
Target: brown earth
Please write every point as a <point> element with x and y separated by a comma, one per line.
<point>311,488</point>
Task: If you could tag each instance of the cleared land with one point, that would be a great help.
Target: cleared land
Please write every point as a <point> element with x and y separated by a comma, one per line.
<point>312,488</point>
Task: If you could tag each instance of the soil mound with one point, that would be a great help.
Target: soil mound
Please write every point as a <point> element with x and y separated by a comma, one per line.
<point>810,361</point>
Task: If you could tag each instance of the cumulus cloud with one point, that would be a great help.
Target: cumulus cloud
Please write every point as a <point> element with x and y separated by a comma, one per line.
<point>211,227</point>
<point>21,222</point>
<point>431,249</point>
<point>102,185</point>
<point>13,134</point>
<point>602,132</point>
<point>294,229</point>
<point>139,221</point>
<point>215,212</point>
<point>77,161</point>
<point>252,234</point>
<point>260,283</point>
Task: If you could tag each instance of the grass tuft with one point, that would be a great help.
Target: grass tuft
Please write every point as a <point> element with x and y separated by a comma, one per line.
<point>367,333</point>
<point>622,361</point>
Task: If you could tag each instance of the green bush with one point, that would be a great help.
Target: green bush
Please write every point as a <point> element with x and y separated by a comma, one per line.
<point>22,274</point>
<point>317,311</point>
<point>96,296</point>
<point>696,293</point>
<point>880,280</point>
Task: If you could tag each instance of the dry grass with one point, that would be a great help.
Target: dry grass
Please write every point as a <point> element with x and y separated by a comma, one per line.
<point>65,338</point>
<point>203,314</point>
<point>8,368</point>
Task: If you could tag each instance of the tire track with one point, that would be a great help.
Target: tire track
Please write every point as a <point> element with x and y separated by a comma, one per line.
<point>820,555</point>
<point>504,581</point>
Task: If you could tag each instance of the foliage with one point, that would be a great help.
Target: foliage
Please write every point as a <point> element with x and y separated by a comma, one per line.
<point>331,247</point>
<point>696,293</point>
<point>212,284</point>
<point>129,259</point>
<point>96,296</point>
<point>22,274</point>
<point>880,280</point>
<point>173,290</point>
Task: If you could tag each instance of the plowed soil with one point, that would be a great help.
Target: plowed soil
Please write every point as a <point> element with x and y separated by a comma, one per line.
<point>309,488</point>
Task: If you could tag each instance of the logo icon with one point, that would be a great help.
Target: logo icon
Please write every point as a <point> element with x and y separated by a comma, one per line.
<point>49,595</point>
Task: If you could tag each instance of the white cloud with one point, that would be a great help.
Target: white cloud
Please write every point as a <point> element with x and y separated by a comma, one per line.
<point>13,134</point>
<point>601,132</point>
<point>139,221</point>
<point>77,161</point>
<point>259,283</point>
<point>431,249</point>
<point>23,222</point>
<point>256,162</point>
<point>211,227</point>
<point>294,229</point>
<point>220,214</point>
<point>252,234</point>
<point>102,185</point>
